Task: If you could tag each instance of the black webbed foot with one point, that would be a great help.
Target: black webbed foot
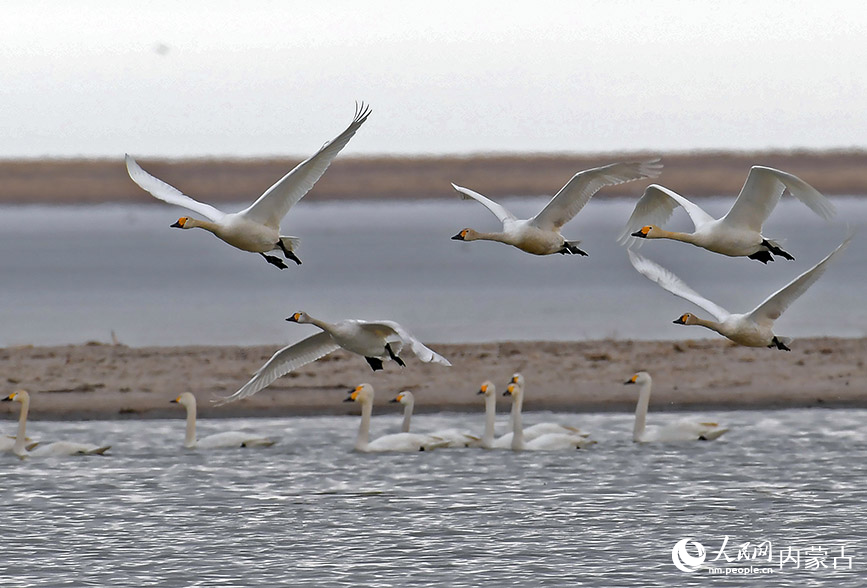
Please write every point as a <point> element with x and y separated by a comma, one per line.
<point>274,261</point>
<point>763,256</point>
<point>571,249</point>
<point>775,342</point>
<point>777,251</point>
<point>374,362</point>
<point>288,253</point>
<point>393,356</point>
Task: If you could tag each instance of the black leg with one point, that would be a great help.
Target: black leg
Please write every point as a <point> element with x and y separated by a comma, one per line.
<point>375,363</point>
<point>763,256</point>
<point>288,252</point>
<point>274,261</point>
<point>392,355</point>
<point>570,249</point>
<point>779,344</point>
<point>777,251</point>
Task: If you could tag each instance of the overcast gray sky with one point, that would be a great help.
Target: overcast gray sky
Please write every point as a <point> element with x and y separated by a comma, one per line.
<point>249,78</point>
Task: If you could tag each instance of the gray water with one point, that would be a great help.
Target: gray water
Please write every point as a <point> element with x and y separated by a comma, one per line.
<point>309,512</point>
<point>72,274</point>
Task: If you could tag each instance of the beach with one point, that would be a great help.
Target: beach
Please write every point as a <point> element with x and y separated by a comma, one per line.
<point>105,381</point>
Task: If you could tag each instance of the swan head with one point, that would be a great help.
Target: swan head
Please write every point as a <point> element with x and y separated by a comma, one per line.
<point>686,319</point>
<point>182,223</point>
<point>404,398</point>
<point>466,235</point>
<point>647,232</point>
<point>639,378</point>
<point>517,378</point>
<point>186,399</point>
<point>488,388</point>
<point>513,390</point>
<point>362,393</point>
<point>17,396</point>
<point>299,317</point>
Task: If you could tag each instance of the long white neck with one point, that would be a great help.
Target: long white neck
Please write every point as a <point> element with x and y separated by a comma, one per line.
<point>674,235</point>
<point>517,426</point>
<point>363,438</point>
<point>194,223</point>
<point>20,446</point>
<point>500,237</point>
<point>490,420</point>
<point>708,324</point>
<point>190,439</point>
<point>641,412</point>
<point>407,416</point>
<point>325,326</point>
<point>517,406</point>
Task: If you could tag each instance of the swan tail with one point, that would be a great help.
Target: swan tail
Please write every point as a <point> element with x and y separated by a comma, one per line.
<point>98,450</point>
<point>291,243</point>
<point>260,442</point>
<point>712,434</point>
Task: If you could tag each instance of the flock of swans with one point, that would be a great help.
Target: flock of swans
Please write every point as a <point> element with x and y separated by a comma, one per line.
<point>257,229</point>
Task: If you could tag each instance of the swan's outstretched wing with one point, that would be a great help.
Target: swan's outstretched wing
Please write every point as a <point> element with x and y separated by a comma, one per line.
<point>577,192</point>
<point>669,281</point>
<point>761,193</point>
<point>163,191</point>
<point>499,211</point>
<point>273,205</point>
<point>779,301</point>
<point>655,207</point>
<point>424,353</point>
<point>284,361</point>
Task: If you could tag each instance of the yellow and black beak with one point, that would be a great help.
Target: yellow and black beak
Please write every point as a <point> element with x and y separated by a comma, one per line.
<point>294,318</point>
<point>9,398</point>
<point>642,233</point>
<point>630,380</point>
<point>175,401</point>
<point>180,223</point>
<point>460,236</point>
<point>681,320</point>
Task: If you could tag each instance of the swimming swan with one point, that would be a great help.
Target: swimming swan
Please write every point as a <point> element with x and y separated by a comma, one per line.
<point>374,340</point>
<point>546,442</point>
<point>682,430</point>
<point>257,227</point>
<point>58,448</point>
<point>739,232</point>
<point>752,329</point>
<point>538,429</point>
<point>363,394</point>
<point>453,437</point>
<point>540,235</point>
<point>217,440</point>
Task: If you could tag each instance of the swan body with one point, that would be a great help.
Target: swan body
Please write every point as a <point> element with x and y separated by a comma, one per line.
<point>739,232</point>
<point>452,437</point>
<point>538,429</point>
<point>683,430</point>
<point>752,329</point>
<point>540,235</point>
<point>257,227</point>
<point>363,394</point>
<point>374,340</point>
<point>21,446</point>
<point>217,440</point>
<point>546,442</point>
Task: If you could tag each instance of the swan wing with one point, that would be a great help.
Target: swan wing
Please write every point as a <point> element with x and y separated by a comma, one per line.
<point>668,281</point>
<point>655,207</point>
<point>421,351</point>
<point>284,361</point>
<point>272,206</point>
<point>499,211</point>
<point>577,192</point>
<point>762,191</point>
<point>163,191</point>
<point>779,301</point>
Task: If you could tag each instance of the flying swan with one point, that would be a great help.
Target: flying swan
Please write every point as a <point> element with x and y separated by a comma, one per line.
<point>363,394</point>
<point>374,340</point>
<point>58,448</point>
<point>752,329</point>
<point>682,430</point>
<point>453,437</point>
<point>540,235</point>
<point>217,440</point>
<point>257,227</point>
<point>739,232</point>
<point>546,442</point>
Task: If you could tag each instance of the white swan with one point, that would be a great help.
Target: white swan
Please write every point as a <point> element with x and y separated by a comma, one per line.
<point>217,440</point>
<point>540,235</point>
<point>546,442</point>
<point>257,227</point>
<point>489,439</point>
<point>374,340</point>
<point>453,437</point>
<point>58,448</point>
<point>752,329</point>
<point>538,429</point>
<point>682,430</point>
<point>739,232</point>
<point>363,394</point>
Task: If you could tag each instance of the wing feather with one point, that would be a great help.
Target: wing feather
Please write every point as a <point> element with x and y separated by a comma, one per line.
<point>497,209</point>
<point>167,193</point>
<point>655,208</point>
<point>422,352</point>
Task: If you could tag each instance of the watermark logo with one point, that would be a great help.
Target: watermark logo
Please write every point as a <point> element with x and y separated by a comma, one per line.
<point>683,559</point>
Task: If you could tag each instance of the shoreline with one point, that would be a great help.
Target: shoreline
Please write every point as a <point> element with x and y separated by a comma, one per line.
<point>103,381</point>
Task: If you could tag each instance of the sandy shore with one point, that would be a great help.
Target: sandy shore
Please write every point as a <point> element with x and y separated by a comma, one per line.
<point>115,381</point>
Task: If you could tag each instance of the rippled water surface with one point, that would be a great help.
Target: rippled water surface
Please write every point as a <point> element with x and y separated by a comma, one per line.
<point>309,512</point>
